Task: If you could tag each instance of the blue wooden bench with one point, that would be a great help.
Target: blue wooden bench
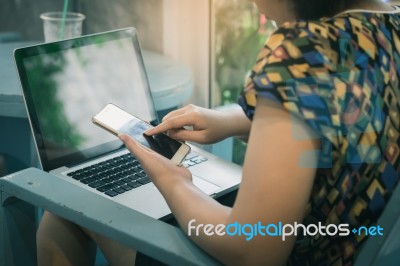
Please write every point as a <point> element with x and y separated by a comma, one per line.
<point>22,191</point>
<point>32,187</point>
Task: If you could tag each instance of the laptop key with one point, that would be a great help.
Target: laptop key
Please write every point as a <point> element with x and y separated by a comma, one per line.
<point>140,174</point>
<point>89,180</point>
<point>77,171</point>
<point>111,193</point>
<point>135,169</point>
<point>119,190</point>
<point>114,177</point>
<point>112,171</point>
<point>76,176</point>
<point>127,179</point>
<point>134,184</point>
<point>133,177</point>
<point>97,184</point>
<point>143,180</point>
<point>125,173</point>
<point>199,159</point>
<point>107,187</point>
<point>107,180</point>
<point>191,155</point>
<point>119,183</point>
<point>187,164</point>
<point>126,187</point>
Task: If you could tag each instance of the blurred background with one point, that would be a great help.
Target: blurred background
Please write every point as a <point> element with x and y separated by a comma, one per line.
<point>218,40</point>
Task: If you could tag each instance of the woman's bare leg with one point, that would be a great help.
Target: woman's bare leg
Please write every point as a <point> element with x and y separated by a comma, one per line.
<point>116,253</point>
<point>60,242</point>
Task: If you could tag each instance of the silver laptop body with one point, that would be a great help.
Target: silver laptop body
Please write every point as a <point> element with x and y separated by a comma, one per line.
<point>65,83</point>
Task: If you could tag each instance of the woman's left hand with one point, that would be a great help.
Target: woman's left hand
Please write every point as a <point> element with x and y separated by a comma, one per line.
<point>162,171</point>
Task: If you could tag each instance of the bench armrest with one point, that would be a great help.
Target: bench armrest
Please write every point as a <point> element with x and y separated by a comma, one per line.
<point>152,237</point>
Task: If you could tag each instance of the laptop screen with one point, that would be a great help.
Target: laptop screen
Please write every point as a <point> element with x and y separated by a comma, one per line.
<point>66,83</point>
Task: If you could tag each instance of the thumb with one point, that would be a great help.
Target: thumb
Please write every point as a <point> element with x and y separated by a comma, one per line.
<point>133,146</point>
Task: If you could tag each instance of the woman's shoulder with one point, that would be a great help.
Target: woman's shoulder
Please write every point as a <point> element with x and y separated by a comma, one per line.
<point>341,26</point>
<point>308,66</point>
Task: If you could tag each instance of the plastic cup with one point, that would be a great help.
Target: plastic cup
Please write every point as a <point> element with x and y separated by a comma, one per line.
<point>57,27</point>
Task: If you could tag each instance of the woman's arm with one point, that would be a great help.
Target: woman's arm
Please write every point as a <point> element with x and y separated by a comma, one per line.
<point>275,188</point>
<point>207,126</point>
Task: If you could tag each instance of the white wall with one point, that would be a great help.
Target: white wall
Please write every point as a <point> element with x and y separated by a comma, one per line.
<point>186,38</point>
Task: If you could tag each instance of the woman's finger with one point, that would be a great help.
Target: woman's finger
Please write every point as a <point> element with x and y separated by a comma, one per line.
<point>187,135</point>
<point>180,111</point>
<point>155,165</point>
<point>174,113</point>
<point>176,122</point>
<point>140,152</point>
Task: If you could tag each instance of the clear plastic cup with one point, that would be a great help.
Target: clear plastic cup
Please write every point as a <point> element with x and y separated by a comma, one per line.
<point>55,29</point>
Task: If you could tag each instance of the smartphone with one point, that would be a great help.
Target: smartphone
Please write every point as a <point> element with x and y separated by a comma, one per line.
<point>117,121</point>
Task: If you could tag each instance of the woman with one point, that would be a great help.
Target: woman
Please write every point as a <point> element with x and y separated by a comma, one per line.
<point>323,98</point>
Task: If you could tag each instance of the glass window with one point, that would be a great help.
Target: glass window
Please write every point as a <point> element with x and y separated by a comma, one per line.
<point>238,33</point>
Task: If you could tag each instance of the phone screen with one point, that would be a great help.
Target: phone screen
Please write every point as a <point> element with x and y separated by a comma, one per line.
<point>120,121</point>
<point>160,143</point>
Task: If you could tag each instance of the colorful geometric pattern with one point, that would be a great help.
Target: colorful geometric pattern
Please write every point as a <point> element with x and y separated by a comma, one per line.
<point>341,76</point>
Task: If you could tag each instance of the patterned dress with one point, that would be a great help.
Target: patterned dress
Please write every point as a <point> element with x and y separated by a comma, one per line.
<point>341,76</point>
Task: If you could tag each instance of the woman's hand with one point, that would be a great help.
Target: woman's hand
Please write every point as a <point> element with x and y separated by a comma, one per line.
<point>162,171</point>
<point>208,126</point>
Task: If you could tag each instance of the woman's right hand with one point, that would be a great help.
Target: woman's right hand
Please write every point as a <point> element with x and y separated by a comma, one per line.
<point>201,125</point>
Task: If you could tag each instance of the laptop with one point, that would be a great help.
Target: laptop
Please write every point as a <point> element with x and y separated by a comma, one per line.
<point>65,83</point>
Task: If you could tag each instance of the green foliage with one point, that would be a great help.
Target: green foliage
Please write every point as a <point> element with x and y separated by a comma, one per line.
<point>239,36</point>
<point>237,43</point>
<point>51,110</point>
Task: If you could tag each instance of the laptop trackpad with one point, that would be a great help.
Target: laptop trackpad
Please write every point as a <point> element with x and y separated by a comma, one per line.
<point>204,185</point>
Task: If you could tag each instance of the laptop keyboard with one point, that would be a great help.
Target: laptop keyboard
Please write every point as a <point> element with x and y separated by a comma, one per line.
<point>121,174</point>
<point>114,176</point>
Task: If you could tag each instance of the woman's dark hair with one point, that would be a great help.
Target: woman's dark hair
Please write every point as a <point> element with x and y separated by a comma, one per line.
<point>315,9</point>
